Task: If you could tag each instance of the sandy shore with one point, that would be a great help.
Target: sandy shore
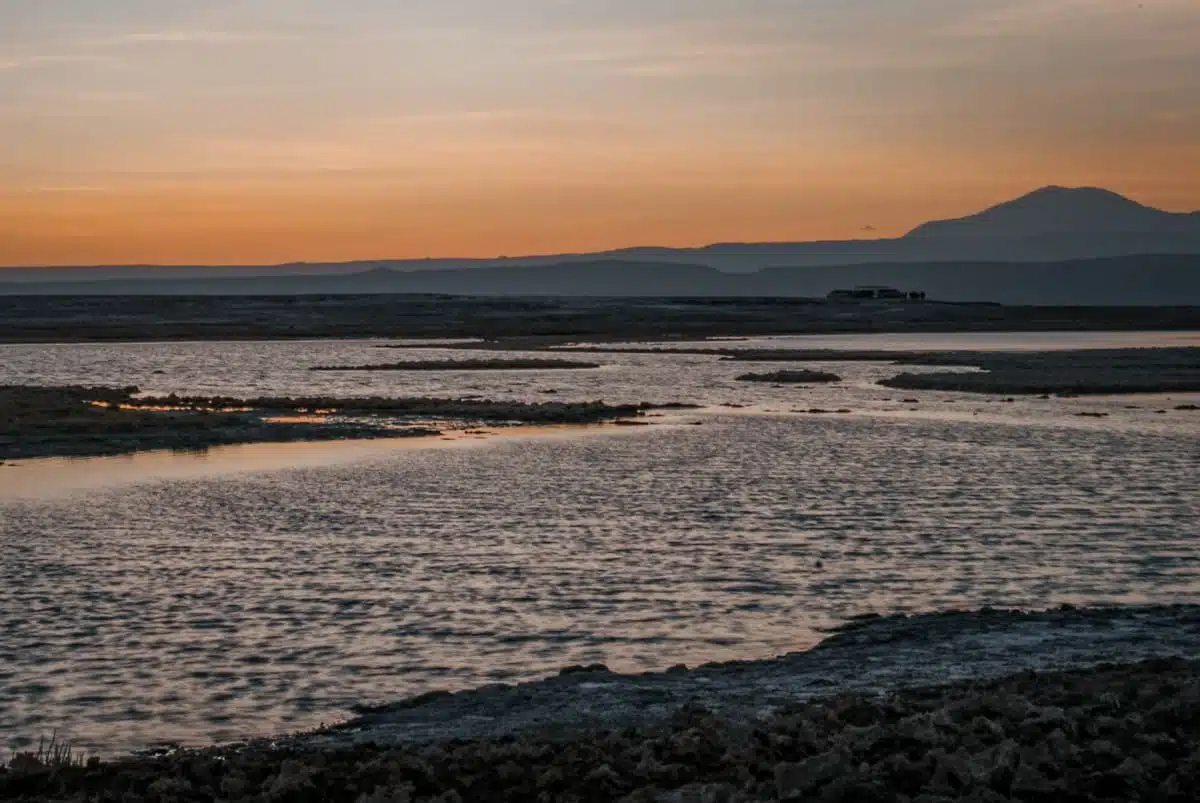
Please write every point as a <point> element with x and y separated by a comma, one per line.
<point>987,706</point>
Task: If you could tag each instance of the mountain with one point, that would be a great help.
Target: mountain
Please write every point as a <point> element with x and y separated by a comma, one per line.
<point>1061,230</point>
<point>1161,280</point>
<point>594,278</point>
<point>1064,211</point>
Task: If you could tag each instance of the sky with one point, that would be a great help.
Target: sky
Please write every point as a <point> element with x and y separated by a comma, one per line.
<point>266,131</point>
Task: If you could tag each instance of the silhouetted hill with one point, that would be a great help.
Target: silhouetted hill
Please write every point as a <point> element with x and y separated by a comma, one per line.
<point>1064,211</point>
<point>1050,225</point>
<point>1139,280</point>
<point>607,277</point>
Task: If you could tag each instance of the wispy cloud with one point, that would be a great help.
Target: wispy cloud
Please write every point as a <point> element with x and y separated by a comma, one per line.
<point>681,57</point>
<point>73,188</point>
<point>203,37</point>
<point>52,59</point>
<point>278,154</point>
<point>1075,18</point>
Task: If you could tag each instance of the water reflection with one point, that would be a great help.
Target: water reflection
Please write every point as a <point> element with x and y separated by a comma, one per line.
<point>259,589</point>
<point>50,478</point>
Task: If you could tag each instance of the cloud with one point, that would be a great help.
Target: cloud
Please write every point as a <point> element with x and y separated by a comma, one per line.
<point>50,59</point>
<point>763,50</point>
<point>1076,16</point>
<point>279,154</point>
<point>203,37</point>
<point>79,188</point>
<point>681,56</point>
<point>931,37</point>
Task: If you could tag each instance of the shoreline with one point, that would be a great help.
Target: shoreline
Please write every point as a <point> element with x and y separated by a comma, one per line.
<point>467,365</point>
<point>1065,372</point>
<point>871,655</point>
<point>1034,705</point>
<point>110,319</point>
<point>52,478</point>
<point>84,421</point>
<point>77,421</point>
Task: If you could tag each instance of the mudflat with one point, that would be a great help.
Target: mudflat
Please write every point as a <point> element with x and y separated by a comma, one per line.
<point>801,376</point>
<point>1098,371</point>
<point>95,421</point>
<point>519,364</point>
<point>541,319</point>
<point>1062,372</point>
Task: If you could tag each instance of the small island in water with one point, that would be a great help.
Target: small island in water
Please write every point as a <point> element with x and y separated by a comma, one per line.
<point>515,364</point>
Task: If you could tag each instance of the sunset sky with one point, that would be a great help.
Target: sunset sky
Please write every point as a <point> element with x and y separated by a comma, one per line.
<point>263,131</point>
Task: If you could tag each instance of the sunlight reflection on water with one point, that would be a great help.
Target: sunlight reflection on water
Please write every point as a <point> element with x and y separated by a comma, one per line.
<point>266,588</point>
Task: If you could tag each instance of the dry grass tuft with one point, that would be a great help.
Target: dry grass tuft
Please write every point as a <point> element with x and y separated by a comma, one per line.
<point>50,754</point>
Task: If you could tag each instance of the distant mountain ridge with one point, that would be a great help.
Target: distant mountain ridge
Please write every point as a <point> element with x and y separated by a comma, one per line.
<point>1157,280</point>
<point>1093,246</point>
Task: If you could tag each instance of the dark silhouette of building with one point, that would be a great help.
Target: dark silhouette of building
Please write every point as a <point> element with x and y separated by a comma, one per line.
<point>875,292</point>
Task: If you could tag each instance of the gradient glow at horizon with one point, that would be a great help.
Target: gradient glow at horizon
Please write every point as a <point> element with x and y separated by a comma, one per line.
<point>240,131</point>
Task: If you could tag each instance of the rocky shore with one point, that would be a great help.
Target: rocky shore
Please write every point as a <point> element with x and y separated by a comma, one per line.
<point>79,421</point>
<point>998,709</point>
<point>869,655</point>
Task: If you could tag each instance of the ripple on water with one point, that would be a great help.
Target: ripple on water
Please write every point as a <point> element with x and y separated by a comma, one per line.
<point>214,607</point>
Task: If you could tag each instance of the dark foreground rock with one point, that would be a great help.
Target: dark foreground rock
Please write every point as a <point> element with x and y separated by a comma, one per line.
<point>1113,733</point>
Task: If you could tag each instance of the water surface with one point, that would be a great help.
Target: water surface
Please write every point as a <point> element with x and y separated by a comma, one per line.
<point>267,588</point>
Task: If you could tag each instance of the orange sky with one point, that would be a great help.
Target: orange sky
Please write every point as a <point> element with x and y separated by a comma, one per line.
<point>256,131</point>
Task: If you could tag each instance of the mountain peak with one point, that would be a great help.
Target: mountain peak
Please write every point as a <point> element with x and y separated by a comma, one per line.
<point>1061,210</point>
<point>1057,193</point>
<point>1051,189</point>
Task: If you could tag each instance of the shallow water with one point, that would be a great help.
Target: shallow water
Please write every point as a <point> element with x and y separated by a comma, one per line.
<point>968,341</point>
<point>263,589</point>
